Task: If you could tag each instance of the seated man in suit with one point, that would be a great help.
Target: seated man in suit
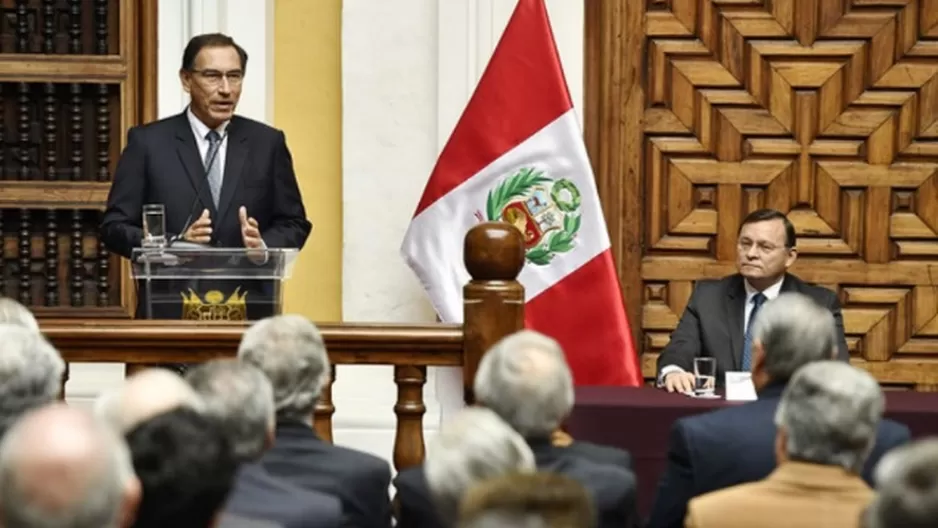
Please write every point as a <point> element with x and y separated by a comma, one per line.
<point>826,425</point>
<point>239,399</point>
<point>289,349</point>
<point>185,468</point>
<point>525,379</point>
<point>474,446</point>
<point>907,488</point>
<point>718,319</point>
<point>715,450</point>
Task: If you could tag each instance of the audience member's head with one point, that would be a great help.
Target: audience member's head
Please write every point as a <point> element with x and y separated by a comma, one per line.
<point>474,446</point>
<point>59,467</point>
<point>144,395</point>
<point>12,312</point>
<point>30,373</point>
<point>185,466</point>
<point>238,397</point>
<point>790,331</point>
<point>526,380</point>
<point>907,488</point>
<point>289,349</point>
<point>829,414</point>
<point>535,500</point>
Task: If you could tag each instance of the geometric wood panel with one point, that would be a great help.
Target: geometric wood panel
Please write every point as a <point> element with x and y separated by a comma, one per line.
<point>74,76</point>
<point>824,109</point>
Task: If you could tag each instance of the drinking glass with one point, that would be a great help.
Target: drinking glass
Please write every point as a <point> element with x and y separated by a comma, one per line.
<point>705,376</point>
<point>154,226</point>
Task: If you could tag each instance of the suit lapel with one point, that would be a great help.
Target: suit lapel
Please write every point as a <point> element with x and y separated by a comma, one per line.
<point>735,306</point>
<point>188,153</point>
<point>235,158</point>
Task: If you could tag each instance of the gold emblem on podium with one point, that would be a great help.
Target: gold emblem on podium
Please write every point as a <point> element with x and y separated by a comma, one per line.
<point>214,307</point>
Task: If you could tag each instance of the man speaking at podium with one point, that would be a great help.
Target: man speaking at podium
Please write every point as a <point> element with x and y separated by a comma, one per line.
<point>224,180</point>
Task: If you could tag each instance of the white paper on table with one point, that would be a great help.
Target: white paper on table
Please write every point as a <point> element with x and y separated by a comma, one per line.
<point>739,387</point>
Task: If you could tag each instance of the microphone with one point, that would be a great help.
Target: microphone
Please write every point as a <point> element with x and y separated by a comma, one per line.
<point>198,192</point>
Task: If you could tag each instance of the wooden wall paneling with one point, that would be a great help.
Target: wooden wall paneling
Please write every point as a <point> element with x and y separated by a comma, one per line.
<point>70,86</point>
<point>699,111</point>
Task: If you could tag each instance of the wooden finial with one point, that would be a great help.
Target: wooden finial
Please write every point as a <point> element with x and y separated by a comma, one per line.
<point>494,251</point>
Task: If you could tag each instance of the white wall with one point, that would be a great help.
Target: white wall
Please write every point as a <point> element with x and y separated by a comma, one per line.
<point>250,22</point>
<point>408,69</point>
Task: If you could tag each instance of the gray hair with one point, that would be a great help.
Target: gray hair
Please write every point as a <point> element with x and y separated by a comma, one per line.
<point>794,331</point>
<point>504,519</point>
<point>239,398</point>
<point>30,372</point>
<point>12,312</point>
<point>95,499</point>
<point>290,350</point>
<point>474,446</point>
<point>526,380</point>
<point>907,486</point>
<point>830,412</point>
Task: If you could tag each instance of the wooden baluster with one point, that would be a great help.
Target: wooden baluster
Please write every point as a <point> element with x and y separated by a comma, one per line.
<point>103,125</point>
<point>49,122</point>
<point>25,146</point>
<point>77,157</point>
<point>408,440</point>
<point>52,259</point>
<point>493,301</point>
<point>100,33</point>
<point>77,283</point>
<point>3,126</point>
<point>48,26</point>
<point>25,254</point>
<point>74,28</point>
<point>22,26</point>
<point>322,415</point>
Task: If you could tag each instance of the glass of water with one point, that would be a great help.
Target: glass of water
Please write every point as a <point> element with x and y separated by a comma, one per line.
<point>154,226</point>
<point>705,376</point>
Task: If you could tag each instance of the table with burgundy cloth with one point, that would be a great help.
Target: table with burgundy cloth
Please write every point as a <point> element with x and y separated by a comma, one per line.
<point>639,420</point>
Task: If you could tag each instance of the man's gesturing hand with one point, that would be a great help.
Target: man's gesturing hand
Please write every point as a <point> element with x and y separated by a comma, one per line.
<point>250,233</point>
<point>200,231</point>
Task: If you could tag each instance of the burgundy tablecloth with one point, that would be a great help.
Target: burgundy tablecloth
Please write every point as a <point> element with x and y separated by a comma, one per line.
<point>639,420</point>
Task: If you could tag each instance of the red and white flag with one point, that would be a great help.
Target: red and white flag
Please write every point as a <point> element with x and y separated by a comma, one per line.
<point>517,155</point>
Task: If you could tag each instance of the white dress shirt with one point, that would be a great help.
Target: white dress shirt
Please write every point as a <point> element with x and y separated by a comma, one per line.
<point>200,130</point>
<point>770,293</point>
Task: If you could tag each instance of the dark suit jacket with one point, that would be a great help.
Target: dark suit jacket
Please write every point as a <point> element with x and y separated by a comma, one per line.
<point>260,497</point>
<point>712,323</point>
<point>361,481</point>
<point>719,449</point>
<point>612,486</point>
<point>161,164</point>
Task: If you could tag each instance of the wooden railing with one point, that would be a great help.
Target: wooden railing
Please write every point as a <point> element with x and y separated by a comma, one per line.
<point>494,307</point>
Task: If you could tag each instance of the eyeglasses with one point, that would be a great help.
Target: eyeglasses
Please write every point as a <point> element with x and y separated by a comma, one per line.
<point>765,248</point>
<point>214,77</point>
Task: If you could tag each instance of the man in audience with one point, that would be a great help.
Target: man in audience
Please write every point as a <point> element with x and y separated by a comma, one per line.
<point>525,379</point>
<point>735,445</point>
<point>60,467</point>
<point>289,349</point>
<point>907,488</point>
<point>826,425</point>
<point>238,398</point>
<point>537,500</point>
<point>719,317</point>
<point>12,312</point>
<point>185,466</point>
<point>473,446</point>
<point>144,395</point>
<point>30,373</point>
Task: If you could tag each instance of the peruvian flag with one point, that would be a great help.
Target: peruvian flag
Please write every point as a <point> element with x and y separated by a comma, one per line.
<point>517,155</point>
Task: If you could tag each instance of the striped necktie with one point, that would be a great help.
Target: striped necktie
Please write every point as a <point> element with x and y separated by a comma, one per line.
<point>757,301</point>
<point>213,171</point>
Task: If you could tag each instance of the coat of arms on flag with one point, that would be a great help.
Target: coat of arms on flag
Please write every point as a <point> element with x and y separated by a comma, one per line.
<point>545,211</point>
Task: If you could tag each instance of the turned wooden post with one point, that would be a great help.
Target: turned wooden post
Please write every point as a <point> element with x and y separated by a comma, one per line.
<point>493,301</point>
<point>322,415</point>
<point>409,409</point>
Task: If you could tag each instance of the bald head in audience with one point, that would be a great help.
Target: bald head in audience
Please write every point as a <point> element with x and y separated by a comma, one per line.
<point>144,395</point>
<point>59,467</point>
<point>30,372</point>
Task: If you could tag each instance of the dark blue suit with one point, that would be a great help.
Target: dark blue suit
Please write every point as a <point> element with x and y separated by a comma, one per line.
<point>732,446</point>
<point>258,496</point>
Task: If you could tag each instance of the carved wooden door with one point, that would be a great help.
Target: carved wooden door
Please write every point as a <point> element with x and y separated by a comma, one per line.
<point>824,109</point>
<point>71,83</point>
